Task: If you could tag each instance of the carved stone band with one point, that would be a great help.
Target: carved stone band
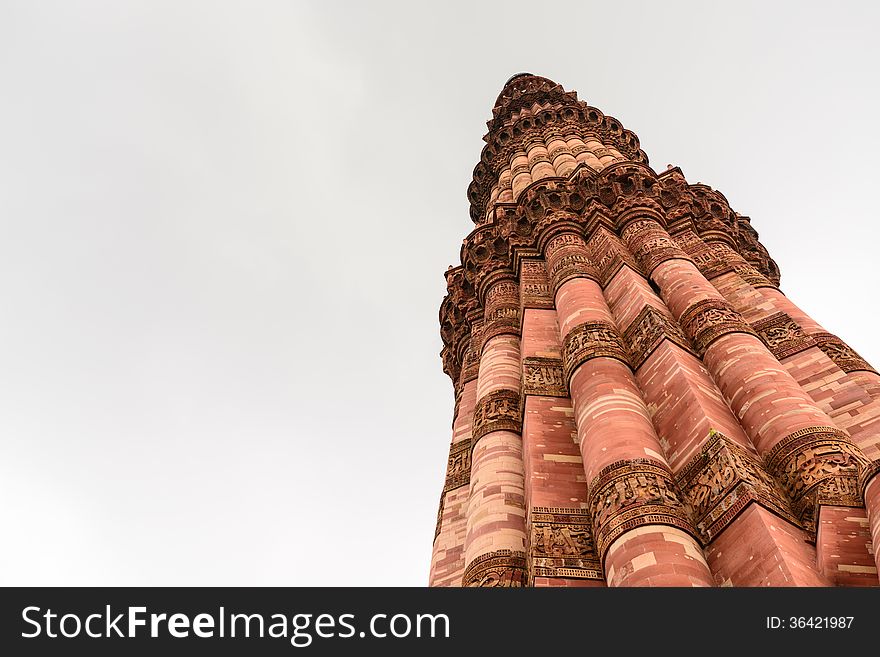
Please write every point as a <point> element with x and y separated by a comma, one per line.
<point>868,473</point>
<point>562,544</point>
<point>537,295</point>
<point>544,376</point>
<point>752,276</point>
<point>439,515</point>
<point>571,265</point>
<point>502,320</point>
<point>707,320</point>
<point>458,468</point>
<point>608,256</point>
<point>714,261</point>
<point>497,411</point>
<point>591,340</point>
<point>470,369</point>
<point>816,466</point>
<point>629,494</point>
<point>647,331</point>
<point>534,289</point>
<point>782,335</point>
<point>841,353</point>
<point>721,481</point>
<point>651,244</point>
<point>501,568</point>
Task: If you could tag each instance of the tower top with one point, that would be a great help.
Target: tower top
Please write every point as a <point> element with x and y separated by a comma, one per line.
<point>515,76</point>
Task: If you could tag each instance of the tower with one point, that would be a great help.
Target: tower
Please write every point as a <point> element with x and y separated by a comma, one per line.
<point>636,402</point>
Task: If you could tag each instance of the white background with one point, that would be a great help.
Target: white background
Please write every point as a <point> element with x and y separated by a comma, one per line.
<point>225,227</point>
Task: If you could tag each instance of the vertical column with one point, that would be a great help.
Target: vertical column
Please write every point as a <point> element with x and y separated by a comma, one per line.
<point>815,462</point>
<point>561,547</point>
<point>852,396</point>
<point>495,543</point>
<point>447,559</point>
<point>837,379</point>
<point>715,466</point>
<point>642,531</point>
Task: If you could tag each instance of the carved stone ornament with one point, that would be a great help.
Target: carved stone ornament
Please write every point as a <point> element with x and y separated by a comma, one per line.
<point>591,340</point>
<point>544,376</point>
<point>458,468</point>
<point>470,368</point>
<point>868,473</point>
<point>501,568</point>
<point>752,276</point>
<point>608,255</point>
<point>629,494</point>
<point>497,411</point>
<point>535,290</point>
<point>571,265</point>
<point>707,320</point>
<point>651,244</point>
<point>439,516</point>
<point>567,258</point>
<point>817,466</point>
<point>782,335</point>
<point>754,252</point>
<point>647,331</point>
<point>501,320</point>
<point>721,481</point>
<point>562,544</point>
<point>711,260</point>
<point>841,353</point>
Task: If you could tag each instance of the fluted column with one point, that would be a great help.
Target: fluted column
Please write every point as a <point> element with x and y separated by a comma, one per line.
<point>561,547</point>
<point>815,462</point>
<point>495,543</point>
<point>447,557</point>
<point>838,380</point>
<point>641,528</point>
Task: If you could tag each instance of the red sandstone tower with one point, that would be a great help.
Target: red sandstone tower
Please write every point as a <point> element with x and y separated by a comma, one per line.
<point>636,402</point>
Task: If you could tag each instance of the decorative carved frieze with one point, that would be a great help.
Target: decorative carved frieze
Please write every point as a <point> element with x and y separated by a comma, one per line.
<point>870,471</point>
<point>535,290</point>
<point>459,391</point>
<point>439,524</point>
<point>458,468</point>
<point>782,335</point>
<point>752,276</point>
<point>841,353</point>
<point>571,265</point>
<point>568,254</point>
<point>544,376</point>
<point>501,315</point>
<point>721,481</point>
<point>629,494</point>
<point>707,320</point>
<point>501,292</point>
<point>497,411</point>
<point>470,368</point>
<point>647,331</point>
<point>503,320</point>
<point>651,244</point>
<point>709,264</point>
<point>501,568</point>
<point>562,544</point>
<point>591,340</point>
<point>816,466</point>
<point>608,255</point>
<point>748,246</point>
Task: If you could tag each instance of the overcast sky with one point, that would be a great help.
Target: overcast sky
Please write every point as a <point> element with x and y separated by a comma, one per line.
<point>225,227</point>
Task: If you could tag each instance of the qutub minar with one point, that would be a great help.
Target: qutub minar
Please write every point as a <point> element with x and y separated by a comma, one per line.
<point>636,402</point>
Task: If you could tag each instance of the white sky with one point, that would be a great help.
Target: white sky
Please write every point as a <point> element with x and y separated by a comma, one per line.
<point>225,227</point>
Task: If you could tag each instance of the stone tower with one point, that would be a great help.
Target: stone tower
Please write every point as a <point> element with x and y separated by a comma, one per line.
<point>636,402</point>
